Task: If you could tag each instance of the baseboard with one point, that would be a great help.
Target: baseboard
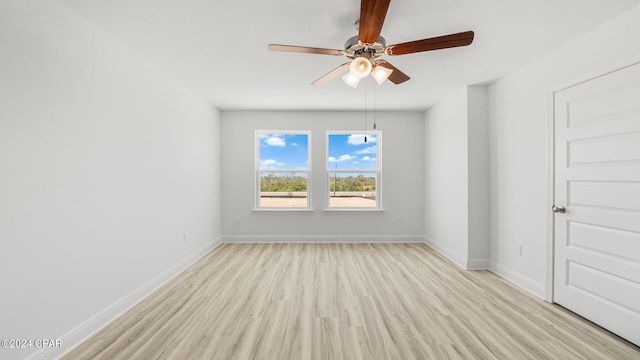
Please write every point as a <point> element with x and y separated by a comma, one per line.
<point>514,277</point>
<point>88,328</point>
<point>535,288</point>
<point>446,252</point>
<point>477,264</point>
<point>322,239</point>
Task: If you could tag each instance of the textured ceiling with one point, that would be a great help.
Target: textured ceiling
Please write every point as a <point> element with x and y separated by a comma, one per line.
<point>219,47</point>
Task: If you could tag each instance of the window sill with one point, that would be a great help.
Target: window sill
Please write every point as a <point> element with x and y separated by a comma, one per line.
<point>353,210</point>
<point>285,209</point>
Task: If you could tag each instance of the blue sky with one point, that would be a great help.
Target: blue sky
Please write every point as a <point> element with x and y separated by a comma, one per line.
<point>346,151</point>
<point>284,151</point>
<point>350,152</point>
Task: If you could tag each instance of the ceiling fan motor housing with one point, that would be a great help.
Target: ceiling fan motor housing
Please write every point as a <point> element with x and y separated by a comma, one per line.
<point>355,48</point>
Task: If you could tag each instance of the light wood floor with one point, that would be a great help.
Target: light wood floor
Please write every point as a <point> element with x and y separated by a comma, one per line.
<point>345,301</point>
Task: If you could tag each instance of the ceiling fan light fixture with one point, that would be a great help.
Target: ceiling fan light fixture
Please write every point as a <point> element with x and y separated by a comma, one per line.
<point>360,67</point>
<point>381,73</point>
<point>351,80</point>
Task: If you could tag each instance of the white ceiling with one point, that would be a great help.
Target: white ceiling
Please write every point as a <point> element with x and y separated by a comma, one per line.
<point>219,47</point>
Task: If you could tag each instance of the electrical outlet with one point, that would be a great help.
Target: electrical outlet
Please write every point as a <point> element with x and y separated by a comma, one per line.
<point>184,238</point>
<point>519,250</point>
<point>238,220</point>
<point>399,220</point>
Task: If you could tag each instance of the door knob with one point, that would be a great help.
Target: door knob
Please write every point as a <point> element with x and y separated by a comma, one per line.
<point>559,209</point>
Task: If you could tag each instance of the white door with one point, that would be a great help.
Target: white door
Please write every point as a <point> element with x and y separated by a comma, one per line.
<point>597,181</point>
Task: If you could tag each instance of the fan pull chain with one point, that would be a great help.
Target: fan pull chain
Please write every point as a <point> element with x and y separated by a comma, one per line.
<point>374,108</point>
<point>365,113</point>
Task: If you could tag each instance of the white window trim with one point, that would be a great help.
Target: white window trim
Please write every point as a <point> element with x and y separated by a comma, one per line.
<point>258,171</point>
<point>378,172</point>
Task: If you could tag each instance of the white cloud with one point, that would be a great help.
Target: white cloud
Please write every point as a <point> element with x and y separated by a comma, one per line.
<point>345,157</point>
<point>275,141</point>
<point>369,150</point>
<point>270,163</point>
<point>358,139</point>
<point>367,158</point>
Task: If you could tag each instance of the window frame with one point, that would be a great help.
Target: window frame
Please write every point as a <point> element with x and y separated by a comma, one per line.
<point>258,171</point>
<point>377,172</point>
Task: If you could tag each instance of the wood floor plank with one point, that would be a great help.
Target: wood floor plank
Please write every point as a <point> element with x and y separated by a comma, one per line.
<point>345,301</point>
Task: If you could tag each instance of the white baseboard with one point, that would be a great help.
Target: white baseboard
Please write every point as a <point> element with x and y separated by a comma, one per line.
<point>88,328</point>
<point>477,264</point>
<point>512,276</point>
<point>467,264</point>
<point>535,288</point>
<point>322,239</point>
<point>446,252</point>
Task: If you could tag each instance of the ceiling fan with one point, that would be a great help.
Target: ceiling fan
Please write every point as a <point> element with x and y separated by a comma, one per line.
<point>366,48</point>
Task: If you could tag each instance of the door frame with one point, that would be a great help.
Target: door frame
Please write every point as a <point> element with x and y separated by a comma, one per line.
<point>551,161</point>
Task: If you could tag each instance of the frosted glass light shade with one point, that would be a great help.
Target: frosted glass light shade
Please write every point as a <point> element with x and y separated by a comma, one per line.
<point>381,73</point>
<point>360,67</point>
<point>351,80</point>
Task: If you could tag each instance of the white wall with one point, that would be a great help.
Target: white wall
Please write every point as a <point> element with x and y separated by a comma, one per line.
<point>104,164</point>
<point>402,179</point>
<point>519,117</point>
<point>456,177</point>
<point>478,183</point>
<point>446,177</point>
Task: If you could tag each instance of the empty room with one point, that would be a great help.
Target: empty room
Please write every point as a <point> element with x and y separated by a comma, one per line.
<point>361,179</point>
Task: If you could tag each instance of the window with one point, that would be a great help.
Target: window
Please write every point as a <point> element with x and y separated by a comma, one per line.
<point>282,169</point>
<point>353,169</point>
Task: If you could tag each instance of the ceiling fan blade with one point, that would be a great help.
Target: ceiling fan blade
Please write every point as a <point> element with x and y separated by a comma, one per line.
<point>304,49</point>
<point>372,14</point>
<point>397,76</point>
<point>434,43</point>
<point>342,69</point>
